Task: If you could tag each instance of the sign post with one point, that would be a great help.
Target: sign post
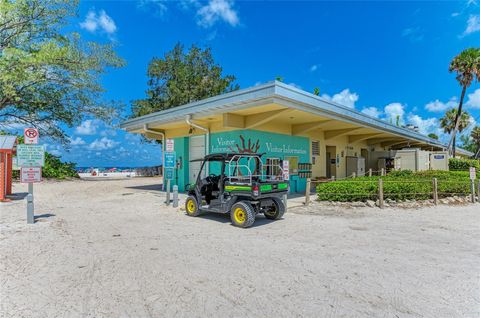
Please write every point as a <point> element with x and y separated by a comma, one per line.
<point>169,166</point>
<point>30,159</point>
<point>473,176</point>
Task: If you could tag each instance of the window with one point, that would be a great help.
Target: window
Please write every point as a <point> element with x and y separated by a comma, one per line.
<point>273,167</point>
<point>315,148</point>
<point>293,165</point>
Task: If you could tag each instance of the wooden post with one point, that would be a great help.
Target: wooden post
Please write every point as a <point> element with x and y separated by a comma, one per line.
<point>435,190</point>
<point>380,194</point>
<point>478,189</point>
<point>370,172</point>
<point>307,191</point>
<point>472,188</point>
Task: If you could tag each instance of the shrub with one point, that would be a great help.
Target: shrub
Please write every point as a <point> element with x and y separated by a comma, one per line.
<point>463,164</point>
<point>398,185</point>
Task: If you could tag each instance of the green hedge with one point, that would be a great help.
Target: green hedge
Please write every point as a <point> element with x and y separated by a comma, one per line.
<point>397,185</point>
<point>463,164</point>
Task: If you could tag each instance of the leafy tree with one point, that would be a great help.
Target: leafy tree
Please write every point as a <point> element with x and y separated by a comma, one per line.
<point>433,136</point>
<point>279,78</point>
<point>447,122</point>
<point>182,77</point>
<point>48,77</point>
<point>467,67</point>
<point>316,91</point>
<point>475,138</point>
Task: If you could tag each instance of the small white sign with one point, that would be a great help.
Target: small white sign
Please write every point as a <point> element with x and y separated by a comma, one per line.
<point>473,173</point>
<point>31,174</point>
<point>169,145</point>
<point>286,170</point>
<point>30,156</point>
<point>31,136</point>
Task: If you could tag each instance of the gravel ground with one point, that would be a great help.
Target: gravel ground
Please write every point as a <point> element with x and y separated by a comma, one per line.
<point>111,249</point>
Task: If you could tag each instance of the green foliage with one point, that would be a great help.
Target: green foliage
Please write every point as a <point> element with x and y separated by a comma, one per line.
<point>447,122</point>
<point>182,77</point>
<point>48,77</point>
<point>397,185</point>
<point>316,91</point>
<point>433,136</point>
<point>463,164</point>
<point>55,168</point>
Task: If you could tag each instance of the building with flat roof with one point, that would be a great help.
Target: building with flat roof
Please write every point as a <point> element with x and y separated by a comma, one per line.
<point>283,122</point>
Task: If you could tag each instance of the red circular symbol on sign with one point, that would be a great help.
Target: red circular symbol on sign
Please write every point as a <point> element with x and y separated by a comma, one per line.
<point>31,133</point>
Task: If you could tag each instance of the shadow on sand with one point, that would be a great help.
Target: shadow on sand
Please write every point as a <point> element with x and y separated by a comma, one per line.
<point>17,196</point>
<point>43,216</point>
<point>260,220</point>
<point>149,187</point>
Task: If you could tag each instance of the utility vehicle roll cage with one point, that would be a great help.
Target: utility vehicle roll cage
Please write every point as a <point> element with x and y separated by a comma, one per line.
<point>240,172</point>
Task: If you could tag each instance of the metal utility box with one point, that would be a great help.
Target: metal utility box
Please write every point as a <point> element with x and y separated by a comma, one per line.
<point>439,160</point>
<point>413,159</point>
<point>355,165</point>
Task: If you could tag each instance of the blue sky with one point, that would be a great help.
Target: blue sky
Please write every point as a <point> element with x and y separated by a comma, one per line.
<point>383,58</point>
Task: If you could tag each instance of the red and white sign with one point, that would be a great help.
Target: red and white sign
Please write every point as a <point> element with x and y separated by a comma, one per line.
<point>169,145</point>
<point>473,173</point>
<point>286,170</point>
<point>31,174</point>
<point>31,136</point>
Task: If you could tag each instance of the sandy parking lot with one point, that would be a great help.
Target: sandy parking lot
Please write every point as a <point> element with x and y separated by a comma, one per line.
<point>111,249</point>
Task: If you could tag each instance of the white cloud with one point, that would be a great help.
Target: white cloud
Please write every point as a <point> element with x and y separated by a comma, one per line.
<point>414,34</point>
<point>474,99</point>
<point>372,111</point>
<point>217,10</point>
<point>295,85</point>
<point>77,141</point>
<point>158,7</point>
<point>473,24</point>
<point>87,127</point>
<point>313,68</point>
<point>394,111</point>
<point>102,144</point>
<point>55,152</point>
<point>455,14</point>
<point>439,106</point>
<point>345,98</point>
<point>425,126</point>
<point>100,21</point>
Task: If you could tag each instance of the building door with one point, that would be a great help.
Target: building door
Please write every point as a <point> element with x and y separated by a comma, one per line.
<point>331,164</point>
<point>364,154</point>
<point>196,151</point>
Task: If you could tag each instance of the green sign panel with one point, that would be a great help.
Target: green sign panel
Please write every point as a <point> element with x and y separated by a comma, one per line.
<point>30,156</point>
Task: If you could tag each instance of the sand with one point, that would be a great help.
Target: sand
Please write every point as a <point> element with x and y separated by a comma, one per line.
<point>112,249</point>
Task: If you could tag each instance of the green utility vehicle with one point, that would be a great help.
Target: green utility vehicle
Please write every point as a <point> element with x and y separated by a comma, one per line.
<point>239,184</point>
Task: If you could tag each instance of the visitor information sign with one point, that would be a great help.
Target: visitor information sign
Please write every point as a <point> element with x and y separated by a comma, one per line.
<point>30,136</point>
<point>30,156</point>
<point>32,174</point>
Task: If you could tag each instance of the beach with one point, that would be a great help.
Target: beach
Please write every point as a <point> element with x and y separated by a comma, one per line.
<point>111,248</point>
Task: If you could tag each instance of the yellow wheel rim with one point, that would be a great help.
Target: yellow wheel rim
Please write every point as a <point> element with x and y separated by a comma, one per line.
<point>239,215</point>
<point>190,206</point>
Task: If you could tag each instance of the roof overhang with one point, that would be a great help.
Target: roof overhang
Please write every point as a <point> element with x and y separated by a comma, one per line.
<point>280,94</point>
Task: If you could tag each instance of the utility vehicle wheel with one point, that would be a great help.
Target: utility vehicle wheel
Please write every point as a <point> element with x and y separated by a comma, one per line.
<point>276,211</point>
<point>242,214</point>
<point>191,206</point>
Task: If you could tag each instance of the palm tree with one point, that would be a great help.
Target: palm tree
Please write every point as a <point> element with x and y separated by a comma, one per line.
<point>467,67</point>
<point>449,121</point>
<point>475,135</point>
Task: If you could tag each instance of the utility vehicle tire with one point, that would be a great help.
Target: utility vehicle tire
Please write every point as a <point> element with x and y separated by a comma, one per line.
<point>242,214</point>
<point>191,206</point>
<point>277,211</point>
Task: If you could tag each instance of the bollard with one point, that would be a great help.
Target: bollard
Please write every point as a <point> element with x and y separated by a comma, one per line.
<point>307,191</point>
<point>370,172</point>
<point>30,205</point>
<point>472,188</point>
<point>167,201</point>
<point>435,190</point>
<point>382,172</point>
<point>354,175</point>
<point>175,196</point>
<point>333,178</point>
<point>380,194</point>
<point>285,202</point>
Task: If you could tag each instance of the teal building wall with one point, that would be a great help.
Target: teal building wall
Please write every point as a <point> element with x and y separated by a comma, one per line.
<point>274,145</point>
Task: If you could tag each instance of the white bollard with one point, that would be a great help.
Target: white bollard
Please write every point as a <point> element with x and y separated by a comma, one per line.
<point>175,196</point>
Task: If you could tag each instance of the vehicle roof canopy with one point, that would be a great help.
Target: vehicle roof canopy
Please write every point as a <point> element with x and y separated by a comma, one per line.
<point>226,156</point>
